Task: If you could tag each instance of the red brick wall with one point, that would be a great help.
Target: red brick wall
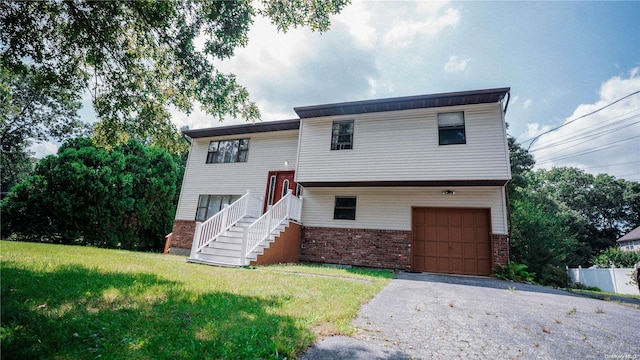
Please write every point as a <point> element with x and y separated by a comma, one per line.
<point>389,249</point>
<point>182,233</point>
<point>500,245</point>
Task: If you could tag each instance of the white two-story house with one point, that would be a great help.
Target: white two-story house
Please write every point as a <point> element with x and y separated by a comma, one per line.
<point>412,183</point>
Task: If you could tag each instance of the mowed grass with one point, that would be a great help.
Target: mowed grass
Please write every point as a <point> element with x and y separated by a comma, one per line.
<point>68,302</point>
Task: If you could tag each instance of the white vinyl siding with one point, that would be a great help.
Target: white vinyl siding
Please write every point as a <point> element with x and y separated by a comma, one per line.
<point>267,152</point>
<point>389,208</point>
<point>403,146</point>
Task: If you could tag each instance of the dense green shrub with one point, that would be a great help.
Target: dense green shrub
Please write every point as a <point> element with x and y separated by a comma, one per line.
<point>120,198</point>
<point>514,272</point>
<point>554,276</point>
<point>617,257</point>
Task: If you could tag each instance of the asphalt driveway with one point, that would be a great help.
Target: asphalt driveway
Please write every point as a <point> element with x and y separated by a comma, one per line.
<point>428,316</point>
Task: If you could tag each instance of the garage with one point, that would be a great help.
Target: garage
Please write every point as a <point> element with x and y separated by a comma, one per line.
<point>451,241</point>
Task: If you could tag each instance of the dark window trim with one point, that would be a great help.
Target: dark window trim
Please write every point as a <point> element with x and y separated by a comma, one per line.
<point>462,127</point>
<point>242,153</point>
<point>336,144</point>
<point>344,209</point>
<point>209,197</point>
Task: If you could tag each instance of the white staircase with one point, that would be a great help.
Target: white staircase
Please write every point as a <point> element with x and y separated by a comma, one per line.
<point>237,234</point>
<point>227,249</point>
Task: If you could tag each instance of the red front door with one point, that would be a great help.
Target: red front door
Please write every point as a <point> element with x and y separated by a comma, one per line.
<point>278,183</point>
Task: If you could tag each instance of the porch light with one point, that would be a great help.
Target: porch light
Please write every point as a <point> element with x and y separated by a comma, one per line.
<point>448,192</point>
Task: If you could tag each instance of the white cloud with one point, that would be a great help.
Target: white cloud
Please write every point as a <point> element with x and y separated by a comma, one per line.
<point>607,141</point>
<point>534,130</point>
<point>404,32</point>
<point>455,64</point>
<point>527,104</point>
<point>358,20</point>
<point>43,149</point>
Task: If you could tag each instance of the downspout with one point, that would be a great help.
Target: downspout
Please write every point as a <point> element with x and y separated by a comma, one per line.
<point>509,221</point>
<point>506,105</point>
<point>506,189</point>
<point>298,153</point>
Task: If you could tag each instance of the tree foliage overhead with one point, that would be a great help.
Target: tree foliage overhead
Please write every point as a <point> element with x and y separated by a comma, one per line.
<point>121,198</point>
<point>137,58</point>
<point>34,106</point>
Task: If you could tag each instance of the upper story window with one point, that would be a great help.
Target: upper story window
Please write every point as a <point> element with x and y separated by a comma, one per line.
<point>228,151</point>
<point>451,128</point>
<point>342,135</point>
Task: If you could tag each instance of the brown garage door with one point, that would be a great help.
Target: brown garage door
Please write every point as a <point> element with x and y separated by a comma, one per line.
<point>451,240</point>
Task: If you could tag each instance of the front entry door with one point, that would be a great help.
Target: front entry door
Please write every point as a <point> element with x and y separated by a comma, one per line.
<point>278,183</point>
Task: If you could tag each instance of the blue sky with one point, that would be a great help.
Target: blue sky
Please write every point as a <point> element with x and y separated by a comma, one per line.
<point>561,60</point>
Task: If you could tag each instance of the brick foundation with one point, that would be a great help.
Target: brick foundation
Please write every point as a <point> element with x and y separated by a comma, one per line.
<point>500,246</point>
<point>182,234</point>
<point>388,249</point>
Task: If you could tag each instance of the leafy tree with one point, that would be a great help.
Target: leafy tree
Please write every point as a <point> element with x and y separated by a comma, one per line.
<point>136,58</point>
<point>520,159</point>
<point>15,166</point>
<point>617,257</point>
<point>34,106</point>
<point>603,207</point>
<point>539,237</point>
<point>565,216</point>
<point>120,198</point>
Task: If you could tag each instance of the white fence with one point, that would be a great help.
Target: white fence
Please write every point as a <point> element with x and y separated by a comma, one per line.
<point>616,280</point>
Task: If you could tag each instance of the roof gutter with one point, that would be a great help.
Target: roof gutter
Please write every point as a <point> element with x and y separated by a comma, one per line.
<point>186,138</point>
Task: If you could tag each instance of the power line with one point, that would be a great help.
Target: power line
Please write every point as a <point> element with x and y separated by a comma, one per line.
<point>606,124</point>
<point>610,165</point>
<point>598,148</point>
<point>626,175</point>
<point>589,137</point>
<point>533,139</point>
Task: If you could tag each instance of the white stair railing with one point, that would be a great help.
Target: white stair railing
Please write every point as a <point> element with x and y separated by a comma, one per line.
<point>288,208</point>
<point>208,231</point>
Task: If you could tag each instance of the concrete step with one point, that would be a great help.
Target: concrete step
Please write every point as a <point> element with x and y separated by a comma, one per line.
<point>225,245</point>
<point>216,260</point>
<point>204,262</point>
<point>229,239</point>
<point>221,252</point>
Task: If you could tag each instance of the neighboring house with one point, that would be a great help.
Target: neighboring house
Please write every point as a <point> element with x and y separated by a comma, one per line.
<point>413,183</point>
<point>631,241</point>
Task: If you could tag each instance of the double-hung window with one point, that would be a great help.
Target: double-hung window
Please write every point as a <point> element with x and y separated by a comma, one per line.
<point>345,208</point>
<point>451,128</point>
<point>342,135</point>
<point>228,151</point>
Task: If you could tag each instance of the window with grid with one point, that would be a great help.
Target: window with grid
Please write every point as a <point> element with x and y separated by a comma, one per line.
<point>451,128</point>
<point>228,151</point>
<point>342,135</point>
<point>209,205</point>
<point>345,208</point>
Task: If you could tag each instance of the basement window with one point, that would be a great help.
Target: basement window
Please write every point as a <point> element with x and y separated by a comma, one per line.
<point>451,128</point>
<point>345,208</point>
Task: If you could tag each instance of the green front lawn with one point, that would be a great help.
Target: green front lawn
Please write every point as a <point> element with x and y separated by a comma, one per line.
<point>68,302</point>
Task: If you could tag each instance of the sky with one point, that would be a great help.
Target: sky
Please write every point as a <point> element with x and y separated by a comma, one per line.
<point>562,60</point>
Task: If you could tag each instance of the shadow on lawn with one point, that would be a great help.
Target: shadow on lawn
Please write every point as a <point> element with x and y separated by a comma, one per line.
<point>77,312</point>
